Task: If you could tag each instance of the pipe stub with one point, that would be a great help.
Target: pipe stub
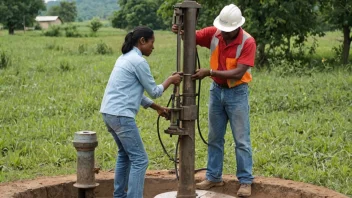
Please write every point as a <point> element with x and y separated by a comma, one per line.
<point>85,137</point>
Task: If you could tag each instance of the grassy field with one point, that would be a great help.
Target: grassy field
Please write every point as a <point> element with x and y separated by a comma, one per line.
<point>300,125</point>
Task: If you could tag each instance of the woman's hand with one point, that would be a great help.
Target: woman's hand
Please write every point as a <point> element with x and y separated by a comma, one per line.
<point>164,112</point>
<point>176,78</point>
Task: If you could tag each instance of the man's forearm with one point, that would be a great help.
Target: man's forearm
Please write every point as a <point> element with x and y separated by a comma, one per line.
<point>228,74</point>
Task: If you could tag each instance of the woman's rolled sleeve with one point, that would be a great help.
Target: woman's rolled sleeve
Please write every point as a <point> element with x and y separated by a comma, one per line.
<point>146,79</point>
<point>146,102</point>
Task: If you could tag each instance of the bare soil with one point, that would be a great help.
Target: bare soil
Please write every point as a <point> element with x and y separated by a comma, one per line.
<point>158,182</point>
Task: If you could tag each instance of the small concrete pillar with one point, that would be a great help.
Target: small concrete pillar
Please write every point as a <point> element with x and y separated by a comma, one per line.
<point>85,143</point>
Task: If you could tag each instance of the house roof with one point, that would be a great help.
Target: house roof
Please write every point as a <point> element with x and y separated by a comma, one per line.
<point>46,18</point>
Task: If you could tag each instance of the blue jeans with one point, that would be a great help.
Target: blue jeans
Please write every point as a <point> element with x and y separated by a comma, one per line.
<point>132,159</point>
<point>229,105</point>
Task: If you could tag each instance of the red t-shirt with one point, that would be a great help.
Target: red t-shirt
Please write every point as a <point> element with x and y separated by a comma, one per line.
<point>247,57</point>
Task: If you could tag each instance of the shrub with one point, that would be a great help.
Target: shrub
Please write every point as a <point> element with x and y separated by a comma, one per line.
<point>37,26</point>
<point>338,53</point>
<point>284,67</point>
<point>71,31</point>
<point>65,66</point>
<point>82,49</point>
<point>53,46</point>
<point>102,48</point>
<point>5,60</point>
<point>53,30</point>
<point>95,24</point>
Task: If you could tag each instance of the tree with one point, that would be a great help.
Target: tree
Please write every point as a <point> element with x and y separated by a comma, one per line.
<point>67,11</point>
<point>210,9</point>
<point>273,23</point>
<point>138,12</point>
<point>54,11</point>
<point>338,13</point>
<point>95,24</point>
<point>13,14</point>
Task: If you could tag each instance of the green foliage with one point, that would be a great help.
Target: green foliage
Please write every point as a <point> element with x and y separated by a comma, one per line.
<point>67,11</point>
<point>37,26</point>
<point>87,9</point>
<point>5,60</point>
<point>65,66</point>
<point>166,10</point>
<point>54,46</point>
<point>71,31</point>
<point>54,11</point>
<point>54,30</point>
<point>13,13</point>
<point>82,49</point>
<point>338,13</point>
<point>275,24</point>
<point>208,12</point>
<point>338,53</point>
<point>283,67</point>
<point>103,48</point>
<point>138,12</point>
<point>95,24</point>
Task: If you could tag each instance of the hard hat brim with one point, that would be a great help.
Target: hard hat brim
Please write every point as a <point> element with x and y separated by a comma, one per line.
<point>224,28</point>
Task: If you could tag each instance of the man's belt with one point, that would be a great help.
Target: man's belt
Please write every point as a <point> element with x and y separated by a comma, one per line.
<point>225,86</point>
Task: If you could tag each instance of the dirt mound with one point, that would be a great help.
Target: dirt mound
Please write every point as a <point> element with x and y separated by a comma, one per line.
<point>158,182</point>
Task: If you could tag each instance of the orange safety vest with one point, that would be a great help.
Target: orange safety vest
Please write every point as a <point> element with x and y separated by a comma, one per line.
<point>231,63</point>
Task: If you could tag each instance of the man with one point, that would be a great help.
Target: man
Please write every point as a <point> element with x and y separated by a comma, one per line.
<point>232,56</point>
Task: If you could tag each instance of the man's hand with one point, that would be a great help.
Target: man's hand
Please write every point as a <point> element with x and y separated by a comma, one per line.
<point>174,29</point>
<point>201,73</point>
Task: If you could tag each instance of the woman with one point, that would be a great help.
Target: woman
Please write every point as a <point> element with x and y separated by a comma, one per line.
<point>130,77</point>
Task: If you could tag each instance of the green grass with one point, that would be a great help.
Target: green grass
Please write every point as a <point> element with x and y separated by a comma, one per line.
<point>300,125</point>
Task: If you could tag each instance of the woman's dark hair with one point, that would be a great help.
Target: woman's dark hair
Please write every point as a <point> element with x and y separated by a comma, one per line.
<point>132,37</point>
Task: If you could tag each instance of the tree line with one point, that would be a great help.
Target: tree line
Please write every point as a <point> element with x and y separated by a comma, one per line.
<point>88,9</point>
<point>279,26</point>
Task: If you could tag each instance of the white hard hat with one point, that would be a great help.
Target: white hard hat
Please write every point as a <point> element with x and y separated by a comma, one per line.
<point>229,19</point>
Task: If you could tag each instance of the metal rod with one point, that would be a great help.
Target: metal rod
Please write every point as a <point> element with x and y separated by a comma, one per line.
<point>178,55</point>
<point>186,186</point>
<point>178,60</point>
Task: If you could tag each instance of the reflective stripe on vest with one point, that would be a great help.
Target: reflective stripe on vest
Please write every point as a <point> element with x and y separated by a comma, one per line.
<point>231,63</point>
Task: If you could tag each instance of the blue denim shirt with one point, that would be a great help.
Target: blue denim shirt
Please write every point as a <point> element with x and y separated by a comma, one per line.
<point>130,77</point>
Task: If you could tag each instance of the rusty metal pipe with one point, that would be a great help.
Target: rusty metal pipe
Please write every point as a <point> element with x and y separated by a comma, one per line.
<point>85,143</point>
<point>186,185</point>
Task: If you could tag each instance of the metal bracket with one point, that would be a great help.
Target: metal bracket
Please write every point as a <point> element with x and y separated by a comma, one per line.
<point>189,95</point>
<point>175,130</point>
<point>189,113</point>
<point>178,16</point>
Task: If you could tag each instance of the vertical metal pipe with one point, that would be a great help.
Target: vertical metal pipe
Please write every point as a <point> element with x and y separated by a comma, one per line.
<point>85,143</point>
<point>186,187</point>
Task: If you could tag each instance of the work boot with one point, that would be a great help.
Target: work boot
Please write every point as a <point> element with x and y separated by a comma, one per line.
<point>244,190</point>
<point>206,184</point>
